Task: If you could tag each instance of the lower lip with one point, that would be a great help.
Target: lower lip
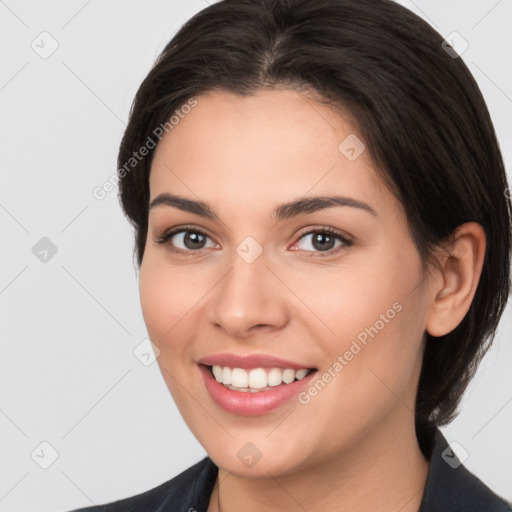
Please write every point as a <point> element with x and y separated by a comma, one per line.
<point>247,403</point>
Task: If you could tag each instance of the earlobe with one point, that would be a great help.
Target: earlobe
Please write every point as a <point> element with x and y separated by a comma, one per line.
<point>461,266</point>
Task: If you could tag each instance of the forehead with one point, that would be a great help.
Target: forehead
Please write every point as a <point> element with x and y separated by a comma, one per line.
<point>267,147</point>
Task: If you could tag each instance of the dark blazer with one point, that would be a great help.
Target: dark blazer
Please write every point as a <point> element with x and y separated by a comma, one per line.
<point>450,486</point>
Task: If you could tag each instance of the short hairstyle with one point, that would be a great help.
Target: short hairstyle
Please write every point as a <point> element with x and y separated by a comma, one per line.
<point>421,114</point>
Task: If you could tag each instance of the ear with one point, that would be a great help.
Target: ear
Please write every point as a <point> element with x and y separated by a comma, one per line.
<point>460,268</point>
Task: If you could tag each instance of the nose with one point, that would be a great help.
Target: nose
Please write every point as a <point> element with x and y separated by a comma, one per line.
<point>249,299</point>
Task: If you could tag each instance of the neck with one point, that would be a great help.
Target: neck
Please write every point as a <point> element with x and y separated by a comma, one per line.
<point>382,470</point>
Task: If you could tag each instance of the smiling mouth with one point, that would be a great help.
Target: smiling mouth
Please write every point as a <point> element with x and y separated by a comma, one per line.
<point>256,379</point>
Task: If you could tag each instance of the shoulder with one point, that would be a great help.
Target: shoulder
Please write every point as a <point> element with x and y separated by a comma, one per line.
<point>191,489</point>
<point>451,486</point>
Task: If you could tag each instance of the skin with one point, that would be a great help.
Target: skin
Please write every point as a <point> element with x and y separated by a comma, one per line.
<point>354,442</point>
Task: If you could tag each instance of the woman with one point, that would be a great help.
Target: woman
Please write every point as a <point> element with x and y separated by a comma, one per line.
<point>323,233</point>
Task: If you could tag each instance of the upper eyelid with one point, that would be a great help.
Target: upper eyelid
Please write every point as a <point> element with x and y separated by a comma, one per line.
<point>168,234</point>
<point>180,229</point>
<point>322,229</point>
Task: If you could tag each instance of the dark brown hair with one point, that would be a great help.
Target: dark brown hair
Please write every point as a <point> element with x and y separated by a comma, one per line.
<point>417,106</point>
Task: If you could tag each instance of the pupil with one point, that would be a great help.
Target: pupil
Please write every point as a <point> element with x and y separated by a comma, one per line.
<point>323,241</point>
<point>194,240</point>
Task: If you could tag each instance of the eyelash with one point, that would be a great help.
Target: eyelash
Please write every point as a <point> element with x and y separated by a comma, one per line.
<point>345,239</point>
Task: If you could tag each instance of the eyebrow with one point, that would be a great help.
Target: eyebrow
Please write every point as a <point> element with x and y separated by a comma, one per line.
<point>282,212</point>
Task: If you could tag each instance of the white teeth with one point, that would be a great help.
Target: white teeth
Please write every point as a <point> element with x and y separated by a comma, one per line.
<point>239,378</point>
<point>226,375</point>
<point>288,376</point>
<point>217,373</point>
<point>257,378</point>
<point>300,374</point>
<point>275,377</point>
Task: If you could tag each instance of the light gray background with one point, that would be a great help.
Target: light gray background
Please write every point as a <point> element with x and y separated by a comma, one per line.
<point>68,375</point>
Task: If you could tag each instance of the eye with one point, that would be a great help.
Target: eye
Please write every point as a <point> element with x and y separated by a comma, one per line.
<point>323,240</point>
<point>190,241</point>
<point>186,240</point>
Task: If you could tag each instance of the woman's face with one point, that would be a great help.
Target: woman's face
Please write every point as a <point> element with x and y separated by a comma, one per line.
<point>262,279</point>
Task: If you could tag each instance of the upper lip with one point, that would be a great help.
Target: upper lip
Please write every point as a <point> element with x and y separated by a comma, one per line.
<point>249,361</point>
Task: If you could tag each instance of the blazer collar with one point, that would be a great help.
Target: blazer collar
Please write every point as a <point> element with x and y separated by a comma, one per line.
<point>450,486</point>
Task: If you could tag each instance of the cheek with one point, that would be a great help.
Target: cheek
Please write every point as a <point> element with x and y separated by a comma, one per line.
<point>375,315</point>
<point>173,301</point>
<point>344,301</point>
<point>156,301</point>
<point>166,297</point>
<point>369,328</point>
